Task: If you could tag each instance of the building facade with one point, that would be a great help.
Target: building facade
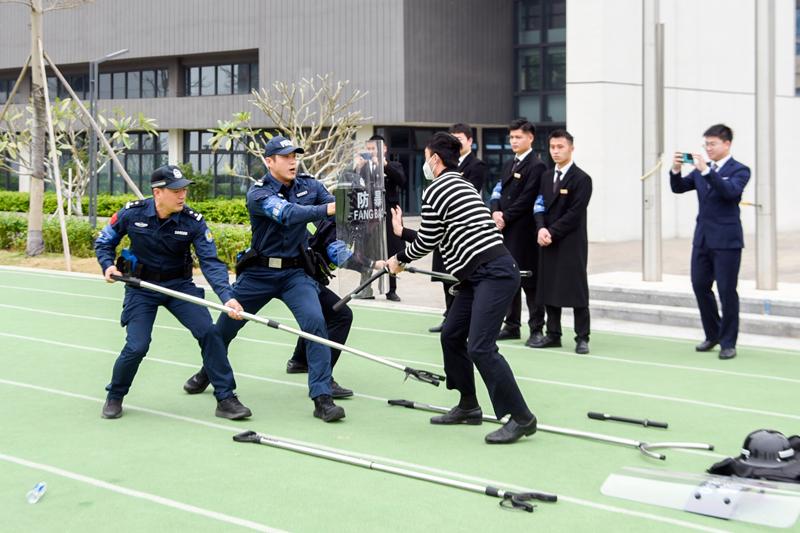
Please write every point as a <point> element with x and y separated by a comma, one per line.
<point>426,64</point>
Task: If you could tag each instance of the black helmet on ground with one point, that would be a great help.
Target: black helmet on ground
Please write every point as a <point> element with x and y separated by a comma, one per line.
<point>767,448</point>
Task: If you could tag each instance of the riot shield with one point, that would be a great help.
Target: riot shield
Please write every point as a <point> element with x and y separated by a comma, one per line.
<point>768,503</point>
<point>361,216</point>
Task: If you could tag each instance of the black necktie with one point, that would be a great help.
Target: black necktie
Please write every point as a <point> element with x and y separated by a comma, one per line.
<point>557,181</point>
<point>516,164</point>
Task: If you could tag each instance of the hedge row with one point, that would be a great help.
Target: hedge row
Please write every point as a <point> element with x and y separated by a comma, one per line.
<point>219,210</point>
<point>81,236</point>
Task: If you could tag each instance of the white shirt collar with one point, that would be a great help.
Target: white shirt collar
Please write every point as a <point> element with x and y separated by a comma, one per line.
<point>462,158</point>
<point>522,156</point>
<point>563,170</point>
<point>721,162</point>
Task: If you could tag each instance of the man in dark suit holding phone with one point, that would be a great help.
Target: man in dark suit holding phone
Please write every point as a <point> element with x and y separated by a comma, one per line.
<point>718,237</point>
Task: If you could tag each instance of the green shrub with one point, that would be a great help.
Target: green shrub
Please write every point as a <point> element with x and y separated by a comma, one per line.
<point>230,240</point>
<point>13,231</point>
<point>80,234</point>
<point>214,210</point>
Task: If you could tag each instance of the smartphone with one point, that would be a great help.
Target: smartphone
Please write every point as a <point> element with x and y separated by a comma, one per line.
<point>688,158</point>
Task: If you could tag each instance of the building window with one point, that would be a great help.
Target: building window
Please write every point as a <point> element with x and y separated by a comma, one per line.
<point>147,83</point>
<point>147,153</point>
<point>541,59</point>
<point>9,181</point>
<point>797,49</point>
<point>5,90</point>
<point>209,80</point>
<point>78,82</point>
<point>221,164</point>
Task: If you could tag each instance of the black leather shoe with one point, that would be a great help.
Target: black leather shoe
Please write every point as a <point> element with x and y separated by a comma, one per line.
<point>232,409</point>
<point>392,296</point>
<point>582,347</point>
<point>507,333</point>
<point>457,415</point>
<point>546,341</point>
<point>112,408</point>
<point>337,391</point>
<point>296,367</point>
<point>197,383</point>
<point>727,353</point>
<point>705,346</point>
<point>325,409</point>
<point>437,328</point>
<point>511,432</point>
<point>535,337</point>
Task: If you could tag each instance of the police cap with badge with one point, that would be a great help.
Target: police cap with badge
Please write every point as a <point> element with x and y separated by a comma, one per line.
<point>169,177</point>
<point>279,145</point>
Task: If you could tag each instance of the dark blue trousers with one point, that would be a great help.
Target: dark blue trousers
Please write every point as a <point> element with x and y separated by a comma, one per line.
<point>138,315</point>
<point>469,336</point>
<point>720,265</point>
<point>337,322</point>
<point>257,286</point>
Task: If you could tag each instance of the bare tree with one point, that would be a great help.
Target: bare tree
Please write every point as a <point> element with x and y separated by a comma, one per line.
<point>35,242</point>
<point>316,114</point>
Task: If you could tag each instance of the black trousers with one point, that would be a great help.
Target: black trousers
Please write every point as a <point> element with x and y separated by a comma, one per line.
<point>710,265</point>
<point>469,336</point>
<point>337,322</point>
<point>535,312</point>
<point>581,322</point>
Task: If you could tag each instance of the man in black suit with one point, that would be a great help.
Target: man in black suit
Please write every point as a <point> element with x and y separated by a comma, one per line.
<point>394,179</point>
<point>512,210</point>
<point>474,171</point>
<point>718,238</point>
<point>560,214</point>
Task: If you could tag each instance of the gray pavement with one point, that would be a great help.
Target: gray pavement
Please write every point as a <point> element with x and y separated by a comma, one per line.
<point>618,264</point>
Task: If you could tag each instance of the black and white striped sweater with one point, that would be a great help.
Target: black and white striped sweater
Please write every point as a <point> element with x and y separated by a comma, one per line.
<point>455,219</point>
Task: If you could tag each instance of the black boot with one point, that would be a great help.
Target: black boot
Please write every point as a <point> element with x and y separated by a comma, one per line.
<point>325,409</point>
<point>296,367</point>
<point>337,391</point>
<point>112,408</point>
<point>511,431</point>
<point>197,383</point>
<point>232,409</point>
<point>508,333</point>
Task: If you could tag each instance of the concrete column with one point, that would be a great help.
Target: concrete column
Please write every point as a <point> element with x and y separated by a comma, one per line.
<point>175,144</point>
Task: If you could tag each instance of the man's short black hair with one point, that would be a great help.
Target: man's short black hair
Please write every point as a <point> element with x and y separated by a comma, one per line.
<point>377,137</point>
<point>461,128</point>
<point>561,134</point>
<point>523,124</point>
<point>447,147</point>
<point>721,131</point>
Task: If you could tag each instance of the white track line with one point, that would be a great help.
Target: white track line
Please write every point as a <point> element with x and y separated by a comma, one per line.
<point>238,429</point>
<point>543,381</point>
<point>413,310</point>
<point>160,500</point>
<point>560,353</point>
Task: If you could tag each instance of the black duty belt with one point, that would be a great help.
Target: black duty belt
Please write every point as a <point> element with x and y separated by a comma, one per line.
<point>165,275</point>
<point>281,262</point>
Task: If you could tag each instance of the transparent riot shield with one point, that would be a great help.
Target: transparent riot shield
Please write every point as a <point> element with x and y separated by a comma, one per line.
<point>767,503</point>
<point>361,218</point>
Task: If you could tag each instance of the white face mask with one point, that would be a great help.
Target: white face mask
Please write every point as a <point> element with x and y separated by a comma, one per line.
<point>427,171</point>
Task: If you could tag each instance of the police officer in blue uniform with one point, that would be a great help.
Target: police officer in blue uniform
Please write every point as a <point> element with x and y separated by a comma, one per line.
<point>162,230</point>
<point>281,205</point>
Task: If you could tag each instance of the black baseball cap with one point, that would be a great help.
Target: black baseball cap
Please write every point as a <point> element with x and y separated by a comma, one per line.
<point>168,177</point>
<point>279,145</point>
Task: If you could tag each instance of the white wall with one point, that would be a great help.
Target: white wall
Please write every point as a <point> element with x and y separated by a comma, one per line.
<point>709,78</point>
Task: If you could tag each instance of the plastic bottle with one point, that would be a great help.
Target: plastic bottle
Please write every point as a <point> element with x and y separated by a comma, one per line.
<point>36,493</point>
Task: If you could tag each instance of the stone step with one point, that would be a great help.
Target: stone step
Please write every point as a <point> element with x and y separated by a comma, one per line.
<point>747,304</point>
<point>780,326</point>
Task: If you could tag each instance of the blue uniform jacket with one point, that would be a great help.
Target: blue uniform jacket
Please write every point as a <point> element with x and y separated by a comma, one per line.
<point>279,214</point>
<point>164,246</point>
<point>719,192</point>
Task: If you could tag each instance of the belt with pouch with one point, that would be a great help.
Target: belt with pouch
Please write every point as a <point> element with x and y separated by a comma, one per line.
<point>147,274</point>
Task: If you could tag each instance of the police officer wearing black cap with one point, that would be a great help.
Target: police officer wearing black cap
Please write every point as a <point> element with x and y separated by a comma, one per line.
<point>162,230</point>
<point>281,204</point>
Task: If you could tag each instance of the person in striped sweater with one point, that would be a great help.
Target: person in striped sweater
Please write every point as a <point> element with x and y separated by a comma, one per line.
<point>455,219</point>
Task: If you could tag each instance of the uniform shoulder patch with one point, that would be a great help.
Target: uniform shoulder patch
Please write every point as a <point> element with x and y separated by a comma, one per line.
<point>192,213</point>
<point>134,203</point>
